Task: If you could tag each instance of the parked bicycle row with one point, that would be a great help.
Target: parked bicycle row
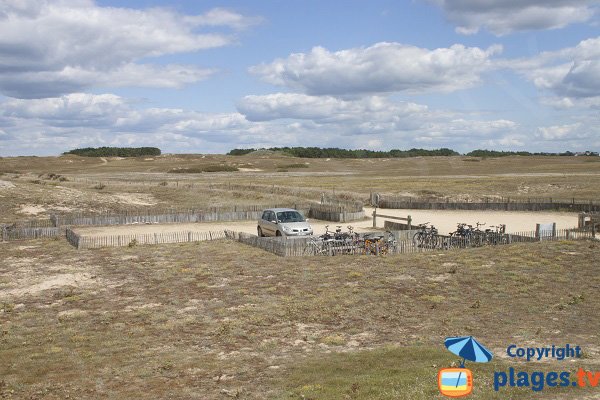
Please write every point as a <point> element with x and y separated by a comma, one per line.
<point>350,242</point>
<point>465,235</point>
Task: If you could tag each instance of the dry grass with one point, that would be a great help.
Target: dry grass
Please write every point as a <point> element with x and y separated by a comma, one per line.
<point>219,319</point>
<point>144,181</point>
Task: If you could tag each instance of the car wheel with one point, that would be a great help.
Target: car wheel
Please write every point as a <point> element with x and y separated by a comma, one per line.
<point>278,233</point>
<point>260,232</point>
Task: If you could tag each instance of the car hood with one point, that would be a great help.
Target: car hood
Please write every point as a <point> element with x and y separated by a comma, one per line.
<point>295,225</point>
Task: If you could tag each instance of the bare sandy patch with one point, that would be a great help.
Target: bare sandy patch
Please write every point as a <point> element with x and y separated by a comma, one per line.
<point>31,209</point>
<point>138,199</point>
<point>6,185</point>
<point>27,247</point>
<point>54,282</point>
<point>445,220</point>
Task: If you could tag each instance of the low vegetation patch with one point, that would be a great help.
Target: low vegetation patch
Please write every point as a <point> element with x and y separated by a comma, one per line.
<point>204,168</point>
<point>393,372</point>
<point>296,165</point>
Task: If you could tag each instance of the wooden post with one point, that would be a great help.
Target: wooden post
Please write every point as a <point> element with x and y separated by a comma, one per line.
<point>409,220</point>
<point>537,231</point>
<point>375,218</point>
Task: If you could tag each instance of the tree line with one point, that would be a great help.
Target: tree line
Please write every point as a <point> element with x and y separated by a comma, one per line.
<point>494,153</point>
<point>115,151</point>
<point>334,152</point>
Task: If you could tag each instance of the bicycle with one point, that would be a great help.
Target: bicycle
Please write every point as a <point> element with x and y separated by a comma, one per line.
<point>315,247</point>
<point>478,237</point>
<point>461,236</point>
<point>426,237</point>
<point>496,236</point>
<point>378,244</point>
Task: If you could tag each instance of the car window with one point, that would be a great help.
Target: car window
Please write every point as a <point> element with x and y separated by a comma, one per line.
<point>271,216</point>
<point>265,215</point>
<point>290,216</point>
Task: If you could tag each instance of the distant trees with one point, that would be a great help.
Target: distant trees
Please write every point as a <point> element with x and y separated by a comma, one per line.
<point>494,153</point>
<point>334,152</point>
<point>115,151</point>
<point>240,152</point>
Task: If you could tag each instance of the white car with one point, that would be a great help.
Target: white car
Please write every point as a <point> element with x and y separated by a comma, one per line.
<point>283,222</point>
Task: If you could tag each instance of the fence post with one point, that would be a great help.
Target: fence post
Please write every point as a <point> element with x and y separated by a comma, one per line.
<point>409,220</point>
<point>375,218</point>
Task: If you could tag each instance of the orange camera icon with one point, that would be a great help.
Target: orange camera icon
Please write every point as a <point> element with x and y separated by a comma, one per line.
<point>455,382</point>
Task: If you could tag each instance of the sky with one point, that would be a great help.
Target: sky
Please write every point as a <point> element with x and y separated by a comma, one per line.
<point>209,76</point>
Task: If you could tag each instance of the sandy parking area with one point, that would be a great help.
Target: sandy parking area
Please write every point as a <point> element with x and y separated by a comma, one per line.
<point>515,221</point>
<point>444,220</point>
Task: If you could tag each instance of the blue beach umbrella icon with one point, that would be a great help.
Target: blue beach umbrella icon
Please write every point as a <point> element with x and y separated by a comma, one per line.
<point>469,349</point>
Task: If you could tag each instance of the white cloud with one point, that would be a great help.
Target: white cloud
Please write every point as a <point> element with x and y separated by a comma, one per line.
<point>502,17</point>
<point>321,108</point>
<point>369,115</point>
<point>381,68</point>
<point>49,48</point>
<point>571,75</point>
<point>560,132</point>
<point>560,103</point>
<point>223,17</point>
<point>53,125</point>
<point>510,141</point>
<point>77,109</point>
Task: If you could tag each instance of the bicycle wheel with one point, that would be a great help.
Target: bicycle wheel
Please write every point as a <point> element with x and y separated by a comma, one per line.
<point>309,250</point>
<point>418,239</point>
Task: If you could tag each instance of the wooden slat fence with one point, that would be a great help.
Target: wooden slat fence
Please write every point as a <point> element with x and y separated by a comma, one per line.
<point>93,242</point>
<point>154,216</point>
<point>236,213</point>
<point>29,233</point>
<point>280,246</point>
<point>336,213</point>
<point>29,229</point>
<point>501,204</point>
<point>286,247</point>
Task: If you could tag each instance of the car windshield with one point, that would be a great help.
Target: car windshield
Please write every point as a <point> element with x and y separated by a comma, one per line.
<point>290,216</point>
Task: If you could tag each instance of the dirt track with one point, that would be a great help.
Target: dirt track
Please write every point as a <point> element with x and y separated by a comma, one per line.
<point>444,220</point>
